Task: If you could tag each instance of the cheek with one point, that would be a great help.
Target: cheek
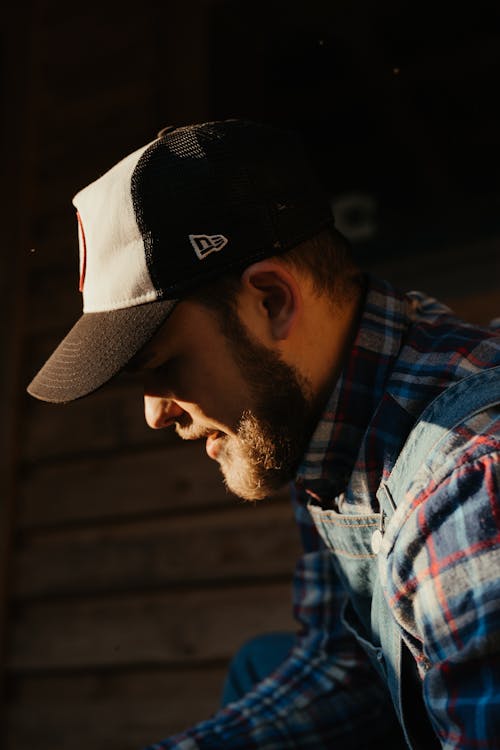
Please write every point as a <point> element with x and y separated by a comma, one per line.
<point>221,405</point>
<point>223,402</point>
<point>208,385</point>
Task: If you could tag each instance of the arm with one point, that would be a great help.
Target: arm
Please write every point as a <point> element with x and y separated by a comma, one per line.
<point>324,694</point>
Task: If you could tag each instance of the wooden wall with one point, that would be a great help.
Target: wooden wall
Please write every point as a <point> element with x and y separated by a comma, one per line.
<point>132,576</point>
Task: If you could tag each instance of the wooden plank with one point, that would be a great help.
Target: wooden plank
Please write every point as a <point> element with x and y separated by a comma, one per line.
<point>76,169</point>
<point>479,308</point>
<point>65,170</point>
<point>54,302</point>
<point>184,50</point>
<point>19,101</point>
<point>55,238</point>
<point>86,123</point>
<point>116,711</point>
<point>124,57</point>
<point>171,477</point>
<point>150,629</point>
<point>112,110</point>
<point>257,541</point>
<point>118,33</point>
<point>111,418</point>
<point>446,272</point>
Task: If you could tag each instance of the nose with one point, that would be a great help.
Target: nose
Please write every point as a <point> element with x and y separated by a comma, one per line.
<point>160,412</point>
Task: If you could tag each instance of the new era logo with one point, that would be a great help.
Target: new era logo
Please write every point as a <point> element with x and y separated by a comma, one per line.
<point>204,244</point>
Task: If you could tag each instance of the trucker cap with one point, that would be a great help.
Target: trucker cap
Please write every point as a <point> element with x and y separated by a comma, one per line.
<point>195,203</point>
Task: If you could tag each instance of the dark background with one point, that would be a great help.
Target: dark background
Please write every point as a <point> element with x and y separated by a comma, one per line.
<point>397,101</point>
<point>129,577</point>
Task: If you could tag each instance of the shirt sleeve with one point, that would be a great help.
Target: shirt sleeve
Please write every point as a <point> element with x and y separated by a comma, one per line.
<point>324,695</point>
<point>446,596</point>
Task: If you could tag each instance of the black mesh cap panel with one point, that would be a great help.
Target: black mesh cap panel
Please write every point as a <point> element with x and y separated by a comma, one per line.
<point>248,183</point>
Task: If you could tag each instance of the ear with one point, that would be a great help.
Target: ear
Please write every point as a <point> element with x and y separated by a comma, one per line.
<point>276,295</point>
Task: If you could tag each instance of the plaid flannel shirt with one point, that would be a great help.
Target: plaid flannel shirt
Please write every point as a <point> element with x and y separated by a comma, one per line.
<point>442,573</point>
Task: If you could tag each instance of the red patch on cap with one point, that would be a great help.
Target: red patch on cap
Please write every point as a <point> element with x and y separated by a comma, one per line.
<point>83,250</point>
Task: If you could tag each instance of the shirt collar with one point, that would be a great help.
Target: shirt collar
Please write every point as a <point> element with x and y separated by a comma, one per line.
<point>333,448</point>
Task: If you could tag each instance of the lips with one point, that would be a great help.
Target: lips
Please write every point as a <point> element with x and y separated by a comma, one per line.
<point>213,444</point>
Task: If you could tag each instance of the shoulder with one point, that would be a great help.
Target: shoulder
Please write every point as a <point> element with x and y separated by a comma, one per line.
<point>461,469</point>
<point>445,534</point>
<point>462,452</point>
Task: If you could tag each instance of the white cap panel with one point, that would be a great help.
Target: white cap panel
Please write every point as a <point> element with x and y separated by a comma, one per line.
<point>112,253</point>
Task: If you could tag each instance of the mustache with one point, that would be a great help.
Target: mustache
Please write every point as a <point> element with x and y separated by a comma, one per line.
<point>187,430</point>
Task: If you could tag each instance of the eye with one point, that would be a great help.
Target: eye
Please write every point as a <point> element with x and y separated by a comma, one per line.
<point>164,379</point>
<point>156,382</point>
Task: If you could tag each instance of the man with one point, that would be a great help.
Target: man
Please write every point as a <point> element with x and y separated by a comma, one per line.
<point>210,264</point>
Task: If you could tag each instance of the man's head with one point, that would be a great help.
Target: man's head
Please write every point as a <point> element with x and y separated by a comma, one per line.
<point>221,383</point>
<point>211,253</point>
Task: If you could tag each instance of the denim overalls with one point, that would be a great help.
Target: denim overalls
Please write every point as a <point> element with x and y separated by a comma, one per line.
<point>357,540</point>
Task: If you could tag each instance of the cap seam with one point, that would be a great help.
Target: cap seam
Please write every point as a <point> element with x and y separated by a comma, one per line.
<point>151,296</point>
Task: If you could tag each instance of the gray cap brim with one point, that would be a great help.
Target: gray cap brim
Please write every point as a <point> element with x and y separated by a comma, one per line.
<point>97,347</point>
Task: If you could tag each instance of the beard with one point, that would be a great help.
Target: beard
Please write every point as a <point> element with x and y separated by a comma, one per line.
<point>273,434</point>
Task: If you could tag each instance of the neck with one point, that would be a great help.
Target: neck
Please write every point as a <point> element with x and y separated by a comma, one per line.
<point>326,336</point>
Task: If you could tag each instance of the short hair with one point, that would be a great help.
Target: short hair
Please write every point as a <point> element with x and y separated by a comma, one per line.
<point>326,258</point>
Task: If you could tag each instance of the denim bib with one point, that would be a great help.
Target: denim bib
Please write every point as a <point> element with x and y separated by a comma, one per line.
<point>355,542</point>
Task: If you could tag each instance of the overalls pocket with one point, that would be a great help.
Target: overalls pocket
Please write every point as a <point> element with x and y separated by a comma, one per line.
<point>350,539</point>
<point>355,543</point>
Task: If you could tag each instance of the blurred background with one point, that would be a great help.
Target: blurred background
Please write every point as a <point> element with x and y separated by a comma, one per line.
<point>128,575</point>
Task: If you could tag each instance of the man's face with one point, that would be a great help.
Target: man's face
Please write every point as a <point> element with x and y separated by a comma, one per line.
<point>250,407</point>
